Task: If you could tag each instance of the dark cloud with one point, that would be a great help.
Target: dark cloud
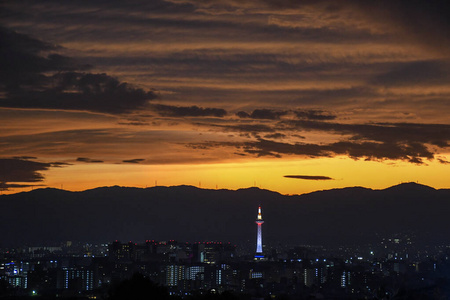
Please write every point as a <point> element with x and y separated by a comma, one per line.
<point>308,177</point>
<point>191,111</point>
<point>82,91</point>
<point>29,79</point>
<point>410,142</point>
<point>418,73</point>
<point>379,141</point>
<point>17,170</point>
<point>314,115</point>
<point>140,120</point>
<point>88,160</point>
<point>133,161</point>
<point>276,135</point>
<point>246,128</point>
<point>264,147</point>
<point>406,133</point>
<point>267,114</point>
<point>426,22</point>
<point>261,152</point>
<point>443,161</point>
<point>240,154</point>
<point>243,114</point>
<point>397,141</point>
<point>271,114</point>
<point>299,136</point>
<point>414,152</point>
<point>14,170</point>
<point>134,123</point>
<point>24,62</point>
<point>212,145</point>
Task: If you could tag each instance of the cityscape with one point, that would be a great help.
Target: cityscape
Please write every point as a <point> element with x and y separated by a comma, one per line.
<point>392,268</point>
<point>225,149</point>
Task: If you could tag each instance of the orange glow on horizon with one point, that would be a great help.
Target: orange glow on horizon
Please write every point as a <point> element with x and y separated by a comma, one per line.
<point>264,173</point>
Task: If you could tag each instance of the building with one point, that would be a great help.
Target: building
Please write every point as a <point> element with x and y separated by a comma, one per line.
<point>174,274</point>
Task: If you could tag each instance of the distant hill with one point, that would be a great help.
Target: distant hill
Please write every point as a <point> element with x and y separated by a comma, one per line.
<point>186,213</point>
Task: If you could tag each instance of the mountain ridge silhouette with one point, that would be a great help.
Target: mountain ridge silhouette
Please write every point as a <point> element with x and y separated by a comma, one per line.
<point>187,213</point>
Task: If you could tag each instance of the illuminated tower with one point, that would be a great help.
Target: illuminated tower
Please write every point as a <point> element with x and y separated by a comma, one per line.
<point>259,221</point>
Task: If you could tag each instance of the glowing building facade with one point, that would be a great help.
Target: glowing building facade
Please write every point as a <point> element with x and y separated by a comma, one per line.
<point>259,221</point>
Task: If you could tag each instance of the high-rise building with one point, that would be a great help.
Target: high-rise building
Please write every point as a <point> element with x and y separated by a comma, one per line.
<point>174,273</point>
<point>259,221</point>
<point>77,279</point>
<point>119,252</point>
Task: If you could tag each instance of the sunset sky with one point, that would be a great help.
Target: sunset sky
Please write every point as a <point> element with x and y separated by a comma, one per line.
<point>287,95</point>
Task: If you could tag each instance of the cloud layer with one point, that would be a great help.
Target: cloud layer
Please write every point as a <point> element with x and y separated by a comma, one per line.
<point>181,81</point>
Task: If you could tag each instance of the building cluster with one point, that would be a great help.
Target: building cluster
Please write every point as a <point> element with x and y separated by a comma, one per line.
<point>214,267</point>
<point>393,267</point>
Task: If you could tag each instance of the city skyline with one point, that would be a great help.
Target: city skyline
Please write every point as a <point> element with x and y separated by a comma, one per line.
<point>184,270</point>
<point>288,96</point>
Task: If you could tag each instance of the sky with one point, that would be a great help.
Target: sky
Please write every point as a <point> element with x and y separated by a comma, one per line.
<point>290,96</point>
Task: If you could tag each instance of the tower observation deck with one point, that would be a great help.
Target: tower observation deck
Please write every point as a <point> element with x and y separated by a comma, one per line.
<point>259,221</point>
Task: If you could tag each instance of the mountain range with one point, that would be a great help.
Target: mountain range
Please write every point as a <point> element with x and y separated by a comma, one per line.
<point>186,213</point>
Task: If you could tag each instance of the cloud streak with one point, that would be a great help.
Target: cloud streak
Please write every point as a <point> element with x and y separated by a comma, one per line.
<point>88,160</point>
<point>308,177</point>
<point>133,161</point>
<point>191,111</point>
